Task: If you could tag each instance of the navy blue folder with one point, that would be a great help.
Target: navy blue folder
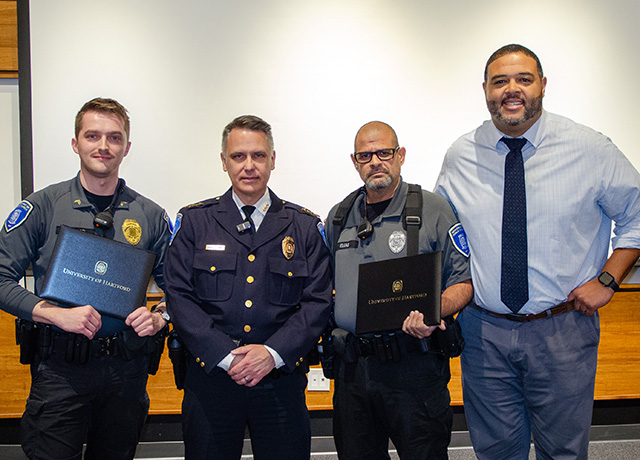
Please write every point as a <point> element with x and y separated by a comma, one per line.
<point>87,269</point>
<point>389,290</point>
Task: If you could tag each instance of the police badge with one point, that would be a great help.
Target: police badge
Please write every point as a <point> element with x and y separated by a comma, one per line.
<point>288,247</point>
<point>397,241</point>
<point>132,231</point>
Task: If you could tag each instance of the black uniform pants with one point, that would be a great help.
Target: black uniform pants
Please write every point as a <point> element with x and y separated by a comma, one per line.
<point>102,403</point>
<point>406,401</point>
<point>216,411</point>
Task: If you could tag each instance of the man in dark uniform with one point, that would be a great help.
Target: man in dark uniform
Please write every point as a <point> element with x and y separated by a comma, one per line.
<point>249,289</point>
<point>404,399</point>
<point>101,402</point>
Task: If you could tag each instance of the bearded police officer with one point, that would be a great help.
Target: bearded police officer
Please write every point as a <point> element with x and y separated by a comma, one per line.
<point>403,394</point>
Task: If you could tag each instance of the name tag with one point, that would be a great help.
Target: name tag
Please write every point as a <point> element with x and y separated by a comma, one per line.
<point>347,244</point>
<point>215,247</point>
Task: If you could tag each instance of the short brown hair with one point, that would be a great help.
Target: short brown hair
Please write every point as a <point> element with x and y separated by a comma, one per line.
<point>510,49</point>
<point>250,122</point>
<point>104,105</point>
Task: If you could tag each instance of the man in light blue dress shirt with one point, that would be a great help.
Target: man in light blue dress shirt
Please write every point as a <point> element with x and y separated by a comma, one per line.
<point>532,370</point>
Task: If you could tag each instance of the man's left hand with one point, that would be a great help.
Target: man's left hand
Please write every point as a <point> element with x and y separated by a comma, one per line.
<point>144,322</point>
<point>589,297</point>
<point>255,362</point>
<point>415,327</point>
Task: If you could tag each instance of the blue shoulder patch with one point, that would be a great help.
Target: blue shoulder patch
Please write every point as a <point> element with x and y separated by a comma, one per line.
<point>18,216</point>
<point>459,239</point>
<point>165,216</point>
<point>176,227</point>
<point>321,230</point>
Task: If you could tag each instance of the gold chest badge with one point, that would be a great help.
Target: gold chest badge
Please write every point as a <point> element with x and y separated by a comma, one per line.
<point>288,247</point>
<point>132,231</point>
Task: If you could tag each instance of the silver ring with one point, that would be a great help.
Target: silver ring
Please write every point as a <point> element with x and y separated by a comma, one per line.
<point>246,379</point>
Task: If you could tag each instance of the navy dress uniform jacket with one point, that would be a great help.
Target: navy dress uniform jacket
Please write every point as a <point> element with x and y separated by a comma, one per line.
<point>226,288</point>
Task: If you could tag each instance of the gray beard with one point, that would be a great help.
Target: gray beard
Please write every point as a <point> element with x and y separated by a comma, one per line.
<point>379,184</point>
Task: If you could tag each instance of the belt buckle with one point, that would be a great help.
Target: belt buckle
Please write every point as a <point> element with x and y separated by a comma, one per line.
<point>517,317</point>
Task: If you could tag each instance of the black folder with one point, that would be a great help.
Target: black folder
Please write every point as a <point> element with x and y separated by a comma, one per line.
<point>87,269</point>
<point>389,290</point>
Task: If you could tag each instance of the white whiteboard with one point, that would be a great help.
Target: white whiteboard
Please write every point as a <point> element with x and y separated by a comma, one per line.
<point>316,71</point>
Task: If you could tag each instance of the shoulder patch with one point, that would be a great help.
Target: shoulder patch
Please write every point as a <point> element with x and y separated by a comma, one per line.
<point>459,239</point>
<point>176,227</point>
<point>18,216</point>
<point>166,218</point>
<point>321,230</point>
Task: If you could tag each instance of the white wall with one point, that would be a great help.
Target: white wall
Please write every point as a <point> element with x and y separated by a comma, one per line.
<point>9,147</point>
<point>316,71</point>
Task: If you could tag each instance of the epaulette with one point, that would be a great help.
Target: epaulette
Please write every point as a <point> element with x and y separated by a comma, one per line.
<point>310,212</point>
<point>202,204</point>
<point>300,208</point>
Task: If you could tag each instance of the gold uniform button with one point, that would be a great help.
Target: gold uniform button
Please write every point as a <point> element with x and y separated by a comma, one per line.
<point>202,364</point>
<point>290,274</point>
<point>197,360</point>
<point>251,257</point>
<point>247,328</point>
<point>297,364</point>
<point>213,269</point>
<point>250,279</point>
<point>248,304</point>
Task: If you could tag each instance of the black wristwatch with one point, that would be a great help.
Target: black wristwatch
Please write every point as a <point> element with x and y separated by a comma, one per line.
<point>608,280</point>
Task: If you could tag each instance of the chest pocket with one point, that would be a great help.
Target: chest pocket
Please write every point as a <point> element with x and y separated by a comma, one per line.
<point>214,273</point>
<point>287,281</point>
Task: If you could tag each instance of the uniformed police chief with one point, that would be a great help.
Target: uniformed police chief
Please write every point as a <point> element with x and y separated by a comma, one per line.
<point>249,291</point>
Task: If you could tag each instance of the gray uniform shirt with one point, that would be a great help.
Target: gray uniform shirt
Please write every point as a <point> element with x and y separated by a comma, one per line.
<point>29,235</point>
<point>389,240</point>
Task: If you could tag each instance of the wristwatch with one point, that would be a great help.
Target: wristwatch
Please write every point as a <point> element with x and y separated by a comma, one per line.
<point>163,312</point>
<point>608,280</point>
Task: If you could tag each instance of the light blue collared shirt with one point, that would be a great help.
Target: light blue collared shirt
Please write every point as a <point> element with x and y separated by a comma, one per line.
<point>262,206</point>
<point>577,183</point>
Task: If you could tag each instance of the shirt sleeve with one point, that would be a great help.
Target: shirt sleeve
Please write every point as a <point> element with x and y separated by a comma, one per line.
<point>19,245</point>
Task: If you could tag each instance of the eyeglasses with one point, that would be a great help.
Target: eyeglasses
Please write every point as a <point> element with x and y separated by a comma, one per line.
<point>383,155</point>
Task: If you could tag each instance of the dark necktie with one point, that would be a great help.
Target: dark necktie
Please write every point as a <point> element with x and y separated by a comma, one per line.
<point>514,280</point>
<point>248,210</point>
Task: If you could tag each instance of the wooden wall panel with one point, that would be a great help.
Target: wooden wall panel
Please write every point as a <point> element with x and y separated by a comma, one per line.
<point>8,39</point>
<point>618,374</point>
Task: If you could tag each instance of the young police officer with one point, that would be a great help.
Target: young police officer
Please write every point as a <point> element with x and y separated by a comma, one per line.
<point>98,395</point>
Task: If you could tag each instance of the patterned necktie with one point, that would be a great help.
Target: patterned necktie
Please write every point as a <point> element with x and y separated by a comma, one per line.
<point>248,210</point>
<point>514,280</point>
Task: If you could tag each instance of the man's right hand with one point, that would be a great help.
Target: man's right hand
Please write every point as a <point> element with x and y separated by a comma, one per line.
<point>83,320</point>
